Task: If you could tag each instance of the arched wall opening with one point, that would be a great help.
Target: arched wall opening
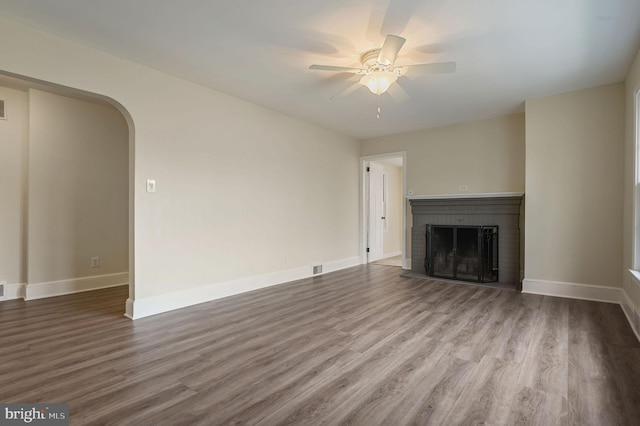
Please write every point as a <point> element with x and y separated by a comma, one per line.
<point>74,183</point>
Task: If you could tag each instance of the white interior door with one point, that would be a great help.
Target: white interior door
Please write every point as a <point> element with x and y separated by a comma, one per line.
<point>376,212</point>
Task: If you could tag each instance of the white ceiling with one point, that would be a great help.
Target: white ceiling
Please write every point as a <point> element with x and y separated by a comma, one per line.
<point>507,51</point>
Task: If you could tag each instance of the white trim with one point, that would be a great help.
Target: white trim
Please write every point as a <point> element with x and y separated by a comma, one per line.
<point>363,202</point>
<point>392,254</point>
<point>479,195</point>
<point>631,312</point>
<point>74,285</point>
<point>128,308</point>
<point>140,308</point>
<point>13,291</point>
<point>572,290</point>
<point>407,263</point>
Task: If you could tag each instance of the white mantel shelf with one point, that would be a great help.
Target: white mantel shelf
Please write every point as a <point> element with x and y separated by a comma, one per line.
<point>462,196</point>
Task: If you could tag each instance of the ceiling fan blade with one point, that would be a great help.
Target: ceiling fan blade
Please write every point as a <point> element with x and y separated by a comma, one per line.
<point>399,13</point>
<point>333,68</point>
<point>397,93</point>
<point>434,68</point>
<point>390,48</point>
<point>348,90</point>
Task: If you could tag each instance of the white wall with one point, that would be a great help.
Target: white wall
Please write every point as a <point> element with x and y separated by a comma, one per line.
<point>574,179</point>
<point>13,167</point>
<point>242,191</point>
<point>78,188</point>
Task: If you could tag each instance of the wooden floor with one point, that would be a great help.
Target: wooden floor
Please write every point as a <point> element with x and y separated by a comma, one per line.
<point>360,346</point>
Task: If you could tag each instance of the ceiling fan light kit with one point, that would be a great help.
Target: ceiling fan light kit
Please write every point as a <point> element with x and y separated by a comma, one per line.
<point>378,71</point>
<point>378,81</point>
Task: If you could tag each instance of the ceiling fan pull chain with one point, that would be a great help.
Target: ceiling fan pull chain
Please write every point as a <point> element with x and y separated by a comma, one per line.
<point>378,115</point>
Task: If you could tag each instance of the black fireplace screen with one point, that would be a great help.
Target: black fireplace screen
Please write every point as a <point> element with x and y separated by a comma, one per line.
<point>468,253</point>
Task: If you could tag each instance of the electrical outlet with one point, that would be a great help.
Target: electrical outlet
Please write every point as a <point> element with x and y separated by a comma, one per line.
<point>410,192</point>
<point>463,188</point>
<point>95,262</point>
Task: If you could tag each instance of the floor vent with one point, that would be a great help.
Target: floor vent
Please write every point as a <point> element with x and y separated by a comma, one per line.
<point>1,291</point>
<point>317,269</point>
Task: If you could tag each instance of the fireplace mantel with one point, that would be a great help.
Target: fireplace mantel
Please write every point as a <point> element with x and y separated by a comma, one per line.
<point>495,209</point>
<point>467,196</point>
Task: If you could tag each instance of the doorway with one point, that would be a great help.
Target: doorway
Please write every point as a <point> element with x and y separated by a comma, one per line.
<point>383,209</point>
<point>77,237</point>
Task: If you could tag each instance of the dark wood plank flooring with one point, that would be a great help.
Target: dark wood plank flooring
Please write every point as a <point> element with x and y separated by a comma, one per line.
<point>360,346</point>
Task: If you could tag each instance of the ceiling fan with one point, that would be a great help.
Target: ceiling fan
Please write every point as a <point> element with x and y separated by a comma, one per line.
<point>378,70</point>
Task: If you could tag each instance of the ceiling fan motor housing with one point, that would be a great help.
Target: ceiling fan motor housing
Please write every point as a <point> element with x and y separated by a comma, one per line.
<point>370,58</point>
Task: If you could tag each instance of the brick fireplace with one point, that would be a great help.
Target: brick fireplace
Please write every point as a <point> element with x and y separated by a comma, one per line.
<point>501,211</point>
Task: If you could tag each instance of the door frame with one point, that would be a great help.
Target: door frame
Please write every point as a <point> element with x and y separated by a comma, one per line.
<point>364,203</point>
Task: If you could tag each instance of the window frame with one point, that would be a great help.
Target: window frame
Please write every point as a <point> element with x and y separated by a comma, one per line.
<point>636,183</point>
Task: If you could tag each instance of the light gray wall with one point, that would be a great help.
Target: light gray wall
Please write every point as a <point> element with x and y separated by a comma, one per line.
<point>486,156</point>
<point>574,181</point>
<point>13,169</point>
<point>78,188</point>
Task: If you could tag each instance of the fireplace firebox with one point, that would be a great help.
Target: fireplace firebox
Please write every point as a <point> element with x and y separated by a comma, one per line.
<point>467,253</point>
<point>468,215</point>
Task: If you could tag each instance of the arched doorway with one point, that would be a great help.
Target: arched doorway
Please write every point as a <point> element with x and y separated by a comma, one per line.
<point>68,189</point>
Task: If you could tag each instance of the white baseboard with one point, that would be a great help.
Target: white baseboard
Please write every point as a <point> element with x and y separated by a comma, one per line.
<point>337,265</point>
<point>587,292</point>
<point>74,285</point>
<point>392,254</point>
<point>128,308</point>
<point>144,307</point>
<point>13,291</point>
<point>572,290</point>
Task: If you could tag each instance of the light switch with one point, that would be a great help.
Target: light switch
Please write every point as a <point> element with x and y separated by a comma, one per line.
<point>151,185</point>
